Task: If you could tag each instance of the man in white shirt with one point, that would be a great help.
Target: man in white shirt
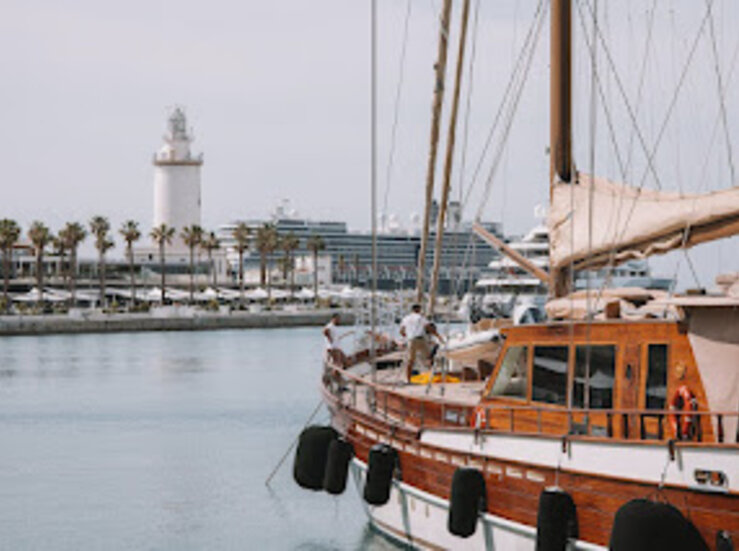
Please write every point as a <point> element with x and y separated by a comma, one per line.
<point>331,339</point>
<point>414,328</point>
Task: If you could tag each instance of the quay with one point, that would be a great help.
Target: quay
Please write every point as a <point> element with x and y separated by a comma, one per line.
<point>163,319</point>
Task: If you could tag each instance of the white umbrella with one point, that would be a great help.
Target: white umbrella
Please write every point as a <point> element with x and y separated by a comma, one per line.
<point>280,293</point>
<point>176,294</point>
<point>207,295</point>
<point>228,294</point>
<point>34,295</point>
<point>305,294</point>
<point>256,294</point>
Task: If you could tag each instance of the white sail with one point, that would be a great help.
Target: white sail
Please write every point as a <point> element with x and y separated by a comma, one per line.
<point>630,223</point>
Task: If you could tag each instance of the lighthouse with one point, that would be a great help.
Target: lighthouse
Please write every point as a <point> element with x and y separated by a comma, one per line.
<point>177,178</point>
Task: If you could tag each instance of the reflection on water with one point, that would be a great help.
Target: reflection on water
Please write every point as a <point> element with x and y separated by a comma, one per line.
<point>163,441</point>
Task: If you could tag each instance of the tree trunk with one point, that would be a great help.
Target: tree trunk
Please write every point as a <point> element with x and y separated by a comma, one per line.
<point>292,275</point>
<point>262,268</point>
<point>40,277</point>
<point>315,277</point>
<point>6,278</point>
<point>101,274</point>
<point>192,274</point>
<point>73,277</point>
<point>161,258</point>
<point>269,285</point>
<point>133,276</point>
<point>241,277</point>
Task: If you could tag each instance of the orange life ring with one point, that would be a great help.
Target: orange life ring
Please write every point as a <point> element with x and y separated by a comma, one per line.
<point>479,419</point>
<point>683,426</point>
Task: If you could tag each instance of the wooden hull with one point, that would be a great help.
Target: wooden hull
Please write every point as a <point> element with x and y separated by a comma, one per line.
<point>594,473</point>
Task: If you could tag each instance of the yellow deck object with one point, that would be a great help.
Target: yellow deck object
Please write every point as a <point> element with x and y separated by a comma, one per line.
<point>423,379</point>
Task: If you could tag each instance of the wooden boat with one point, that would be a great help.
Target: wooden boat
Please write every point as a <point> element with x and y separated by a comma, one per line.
<point>614,431</point>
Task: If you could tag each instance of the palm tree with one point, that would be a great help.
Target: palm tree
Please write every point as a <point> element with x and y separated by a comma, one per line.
<point>162,235</point>
<point>59,246</point>
<point>99,228</point>
<point>40,237</point>
<point>73,234</point>
<point>266,243</point>
<point>341,265</point>
<point>9,234</point>
<point>356,269</point>
<point>289,244</point>
<point>131,233</point>
<point>270,240</point>
<point>210,243</point>
<point>241,234</point>
<point>192,236</point>
<point>315,244</point>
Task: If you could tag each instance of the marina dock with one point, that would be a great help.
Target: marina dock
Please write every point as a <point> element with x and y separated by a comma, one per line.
<point>162,320</point>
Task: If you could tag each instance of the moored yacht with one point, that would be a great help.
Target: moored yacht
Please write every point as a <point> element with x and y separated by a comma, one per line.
<point>506,290</point>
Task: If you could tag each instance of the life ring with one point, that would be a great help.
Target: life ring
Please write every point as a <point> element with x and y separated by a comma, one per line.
<point>683,426</point>
<point>478,420</point>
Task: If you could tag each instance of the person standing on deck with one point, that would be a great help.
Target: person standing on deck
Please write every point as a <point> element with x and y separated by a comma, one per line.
<point>414,328</point>
<point>334,353</point>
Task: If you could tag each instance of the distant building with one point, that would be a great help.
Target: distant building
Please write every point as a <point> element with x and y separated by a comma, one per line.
<point>464,255</point>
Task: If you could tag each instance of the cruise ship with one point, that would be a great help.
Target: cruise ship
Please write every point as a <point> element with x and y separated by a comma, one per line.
<point>505,290</point>
<point>464,256</point>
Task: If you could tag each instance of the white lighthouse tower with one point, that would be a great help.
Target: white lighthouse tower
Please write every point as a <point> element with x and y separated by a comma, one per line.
<point>177,178</point>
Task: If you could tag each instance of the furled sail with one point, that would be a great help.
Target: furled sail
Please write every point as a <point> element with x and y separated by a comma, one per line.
<point>630,223</point>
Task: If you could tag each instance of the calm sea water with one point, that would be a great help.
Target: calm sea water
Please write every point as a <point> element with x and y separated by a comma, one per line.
<point>163,441</point>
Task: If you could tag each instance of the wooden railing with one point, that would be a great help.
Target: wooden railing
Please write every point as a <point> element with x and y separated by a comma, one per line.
<point>429,411</point>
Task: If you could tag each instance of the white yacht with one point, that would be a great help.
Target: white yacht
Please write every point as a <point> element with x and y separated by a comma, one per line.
<point>507,290</point>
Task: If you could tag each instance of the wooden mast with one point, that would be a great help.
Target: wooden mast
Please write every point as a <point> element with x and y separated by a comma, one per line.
<point>451,136</point>
<point>560,140</point>
<point>436,116</point>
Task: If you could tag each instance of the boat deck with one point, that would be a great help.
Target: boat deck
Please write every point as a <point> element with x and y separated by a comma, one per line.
<point>393,378</point>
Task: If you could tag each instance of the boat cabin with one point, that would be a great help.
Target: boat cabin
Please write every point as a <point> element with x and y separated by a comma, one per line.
<point>616,378</point>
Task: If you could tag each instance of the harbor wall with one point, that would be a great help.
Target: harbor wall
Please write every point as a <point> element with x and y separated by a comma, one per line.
<point>98,322</point>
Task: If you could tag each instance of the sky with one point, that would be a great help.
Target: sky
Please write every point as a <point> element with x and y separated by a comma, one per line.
<point>277,94</point>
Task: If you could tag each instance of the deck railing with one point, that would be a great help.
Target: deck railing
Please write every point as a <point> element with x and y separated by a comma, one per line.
<point>429,411</point>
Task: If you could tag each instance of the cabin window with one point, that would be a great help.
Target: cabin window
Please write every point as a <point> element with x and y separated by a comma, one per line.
<point>657,376</point>
<point>602,369</point>
<point>512,379</point>
<point>550,374</point>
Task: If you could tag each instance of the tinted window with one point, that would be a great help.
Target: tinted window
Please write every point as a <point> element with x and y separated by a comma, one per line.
<point>512,379</point>
<point>602,361</point>
<point>550,374</point>
<point>657,377</point>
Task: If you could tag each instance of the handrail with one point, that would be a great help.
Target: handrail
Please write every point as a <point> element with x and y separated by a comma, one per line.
<point>506,407</point>
<point>634,422</point>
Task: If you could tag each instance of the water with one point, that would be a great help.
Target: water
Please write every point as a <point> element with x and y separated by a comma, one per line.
<point>163,441</point>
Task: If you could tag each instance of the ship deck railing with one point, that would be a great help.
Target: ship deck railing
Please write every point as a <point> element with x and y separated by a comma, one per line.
<point>411,407</point>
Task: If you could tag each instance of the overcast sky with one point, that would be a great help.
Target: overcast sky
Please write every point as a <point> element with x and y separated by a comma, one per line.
<point>278,95</point>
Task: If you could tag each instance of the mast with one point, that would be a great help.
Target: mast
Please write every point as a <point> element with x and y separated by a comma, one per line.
<point>451,136</point>
<point>373,182</point>
<point>436,116</point>
<point>560,139</point>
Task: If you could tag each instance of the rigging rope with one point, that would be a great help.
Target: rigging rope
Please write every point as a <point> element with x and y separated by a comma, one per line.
<point>642,74</point>
<point>714,131</point>
<point>722,101</point>
<point>401,73</point>
<point>468,102</point>
<point>510,117</point>
<point>506,95</point>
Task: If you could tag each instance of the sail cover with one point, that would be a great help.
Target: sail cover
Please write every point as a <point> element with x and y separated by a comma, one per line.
<point>630,223</point>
